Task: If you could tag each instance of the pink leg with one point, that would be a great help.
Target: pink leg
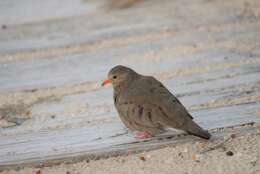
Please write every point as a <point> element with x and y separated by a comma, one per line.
<point>143,135</point>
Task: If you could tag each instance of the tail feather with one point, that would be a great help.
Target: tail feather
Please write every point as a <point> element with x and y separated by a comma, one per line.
<point>194,129</point>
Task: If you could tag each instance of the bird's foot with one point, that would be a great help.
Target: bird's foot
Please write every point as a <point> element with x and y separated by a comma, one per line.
<point>143,135</point>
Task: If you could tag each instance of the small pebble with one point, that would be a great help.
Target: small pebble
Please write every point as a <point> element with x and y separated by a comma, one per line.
<point>38,171</point>
<point>233,135</point>
<point>142,158</point>
<point>196,157</point>
<point>251,124</point>
<point>180,155</point>
<point>229,153</point>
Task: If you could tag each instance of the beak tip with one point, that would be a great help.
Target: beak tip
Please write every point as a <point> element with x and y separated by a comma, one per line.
<point>105,82</point>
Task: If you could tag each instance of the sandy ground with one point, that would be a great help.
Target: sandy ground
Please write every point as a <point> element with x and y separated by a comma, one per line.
<point>234,153</point>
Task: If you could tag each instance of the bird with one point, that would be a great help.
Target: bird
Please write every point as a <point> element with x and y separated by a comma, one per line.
<point>145,105</point>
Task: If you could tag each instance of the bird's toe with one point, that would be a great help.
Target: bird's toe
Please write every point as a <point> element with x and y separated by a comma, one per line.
<point>143,135</point>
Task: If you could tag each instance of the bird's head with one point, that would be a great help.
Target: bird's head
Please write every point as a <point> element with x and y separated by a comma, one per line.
<point>120,76</point>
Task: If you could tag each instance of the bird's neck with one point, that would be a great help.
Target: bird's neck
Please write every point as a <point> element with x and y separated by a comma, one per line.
<point>117,94</point>
<point>118,89</point>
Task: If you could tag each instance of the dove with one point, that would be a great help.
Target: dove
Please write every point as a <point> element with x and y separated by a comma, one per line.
<point>145,105</point>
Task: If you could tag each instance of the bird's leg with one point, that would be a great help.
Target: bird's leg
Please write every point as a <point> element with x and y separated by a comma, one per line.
<point>143,135</point>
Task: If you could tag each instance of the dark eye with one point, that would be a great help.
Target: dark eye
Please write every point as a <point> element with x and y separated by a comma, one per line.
<point>114,77</point>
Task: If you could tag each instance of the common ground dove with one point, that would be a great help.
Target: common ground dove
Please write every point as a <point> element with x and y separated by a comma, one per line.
<point>144,104</point>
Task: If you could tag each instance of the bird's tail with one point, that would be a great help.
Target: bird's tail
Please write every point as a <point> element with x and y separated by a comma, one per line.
<point>194,129</point>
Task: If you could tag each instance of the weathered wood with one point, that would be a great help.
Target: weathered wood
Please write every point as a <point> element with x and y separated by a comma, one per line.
<point>51,70</point>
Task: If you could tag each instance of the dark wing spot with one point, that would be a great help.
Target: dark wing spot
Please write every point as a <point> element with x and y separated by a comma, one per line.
<point>115,99</point>
<point>140,111</point>
<point>149,116</point>
<point>152,90</point>
<point>163,112</point>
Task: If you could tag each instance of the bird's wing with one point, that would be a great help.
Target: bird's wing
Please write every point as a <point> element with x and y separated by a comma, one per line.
<point>137,116</point>
<point>166,108</point>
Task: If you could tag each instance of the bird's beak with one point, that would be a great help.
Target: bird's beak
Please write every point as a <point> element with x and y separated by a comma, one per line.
<point>107,81</point>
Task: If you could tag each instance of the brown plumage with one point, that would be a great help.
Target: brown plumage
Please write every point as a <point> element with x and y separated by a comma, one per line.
<point>145,104</point>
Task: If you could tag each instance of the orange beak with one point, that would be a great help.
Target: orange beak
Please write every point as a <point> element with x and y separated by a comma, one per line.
<point>105,82</point>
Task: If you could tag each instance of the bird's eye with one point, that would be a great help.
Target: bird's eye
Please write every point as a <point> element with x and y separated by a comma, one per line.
<point>114,77</point>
